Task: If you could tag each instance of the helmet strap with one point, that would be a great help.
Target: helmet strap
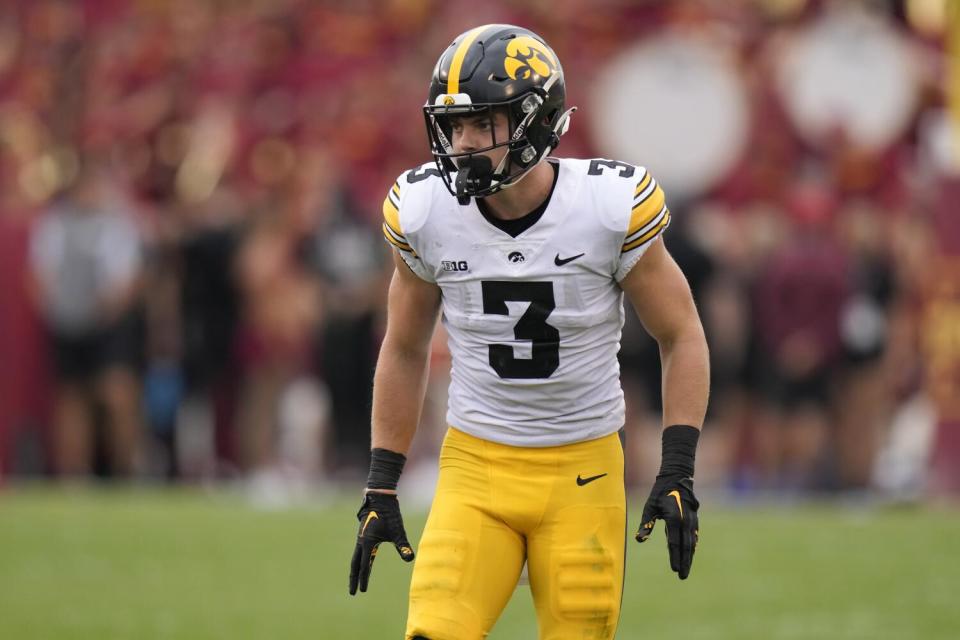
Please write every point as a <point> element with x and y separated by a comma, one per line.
<point>563,123</point>
<point>560,128</point>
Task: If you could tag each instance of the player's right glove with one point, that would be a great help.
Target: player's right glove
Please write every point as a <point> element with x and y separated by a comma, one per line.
<point>672,500</point>
<point>379,516</point>
<point>380,521</point>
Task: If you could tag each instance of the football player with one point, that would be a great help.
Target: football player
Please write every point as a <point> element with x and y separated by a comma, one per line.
<point>528,257</point>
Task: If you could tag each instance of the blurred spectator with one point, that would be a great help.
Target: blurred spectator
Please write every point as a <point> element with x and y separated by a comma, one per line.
<point>865,398</point>
<point>274,340</point>
<point>205,241</point>
<point>799,301</point>
<point>352,262</point>
<point>24,397</point>
<point>86,257</point>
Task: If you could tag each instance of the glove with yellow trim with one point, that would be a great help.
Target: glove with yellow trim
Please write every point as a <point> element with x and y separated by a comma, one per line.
<point>672,500</point>
<point>380,521</point>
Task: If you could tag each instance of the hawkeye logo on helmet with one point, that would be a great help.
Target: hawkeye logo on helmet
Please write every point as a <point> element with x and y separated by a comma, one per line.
<point>526,55</point>
<point>452,100</point>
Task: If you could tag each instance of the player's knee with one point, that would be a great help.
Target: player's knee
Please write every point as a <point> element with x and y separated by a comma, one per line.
<point>588,585</point>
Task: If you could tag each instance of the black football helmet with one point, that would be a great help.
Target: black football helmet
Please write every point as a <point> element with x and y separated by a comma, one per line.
<point>496,66</point>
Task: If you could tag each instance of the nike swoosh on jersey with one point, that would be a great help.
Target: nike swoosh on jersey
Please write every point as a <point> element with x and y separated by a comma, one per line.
<point>583,481</point>
<point>557,260</point>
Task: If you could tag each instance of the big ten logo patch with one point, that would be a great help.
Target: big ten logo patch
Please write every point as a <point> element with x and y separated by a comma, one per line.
<point>454,265</point>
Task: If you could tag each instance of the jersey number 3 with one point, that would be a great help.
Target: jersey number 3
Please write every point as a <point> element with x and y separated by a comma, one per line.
<point>532,326</point>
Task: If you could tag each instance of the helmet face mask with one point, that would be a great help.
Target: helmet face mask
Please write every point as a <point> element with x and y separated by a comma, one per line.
<point>489,70</point>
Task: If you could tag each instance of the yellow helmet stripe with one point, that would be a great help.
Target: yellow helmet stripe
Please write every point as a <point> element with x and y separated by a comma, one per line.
<point>453,77</point>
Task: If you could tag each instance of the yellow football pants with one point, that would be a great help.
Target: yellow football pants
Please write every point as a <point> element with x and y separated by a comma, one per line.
<point>562,509</point>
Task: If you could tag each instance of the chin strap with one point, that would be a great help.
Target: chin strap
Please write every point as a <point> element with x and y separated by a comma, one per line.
<point>562,126</point>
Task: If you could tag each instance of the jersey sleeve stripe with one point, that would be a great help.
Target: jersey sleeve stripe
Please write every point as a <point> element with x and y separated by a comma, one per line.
<point>630,237</point>
<point>662,222</point>
<point>396,237</point>
<point>395,241</point>
<point>646,211</point>
<point>647,191</point>
<point>394,194</point>
<point>644,181</point>
<point>391,215</point>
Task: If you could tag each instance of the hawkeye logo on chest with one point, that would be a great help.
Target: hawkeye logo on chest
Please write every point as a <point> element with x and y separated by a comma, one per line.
<point>454,265</point>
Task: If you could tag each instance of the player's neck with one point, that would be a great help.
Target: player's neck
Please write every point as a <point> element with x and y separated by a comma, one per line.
<point>524,196</point>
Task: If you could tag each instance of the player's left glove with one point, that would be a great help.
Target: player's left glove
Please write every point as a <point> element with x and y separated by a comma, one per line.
<point>672,499</point>
<point>380,521</point>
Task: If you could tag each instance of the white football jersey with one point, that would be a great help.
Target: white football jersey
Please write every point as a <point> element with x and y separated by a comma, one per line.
<point>534,321</point>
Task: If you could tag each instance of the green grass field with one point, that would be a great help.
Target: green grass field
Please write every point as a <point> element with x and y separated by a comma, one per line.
<point>185,564</point>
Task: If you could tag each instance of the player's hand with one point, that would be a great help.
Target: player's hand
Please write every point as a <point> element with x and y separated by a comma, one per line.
<point>672,500</point>
<point>380,521</point>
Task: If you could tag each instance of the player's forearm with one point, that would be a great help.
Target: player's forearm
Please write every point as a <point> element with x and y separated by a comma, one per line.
<point>686,377</point>
<point>398,389</point>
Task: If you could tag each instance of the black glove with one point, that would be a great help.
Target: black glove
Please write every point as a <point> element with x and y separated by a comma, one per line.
<point>672,498</point>
<point>380,521</point>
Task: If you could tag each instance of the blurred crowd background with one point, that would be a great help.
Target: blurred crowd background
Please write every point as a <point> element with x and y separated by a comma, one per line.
<point>192,276</point>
